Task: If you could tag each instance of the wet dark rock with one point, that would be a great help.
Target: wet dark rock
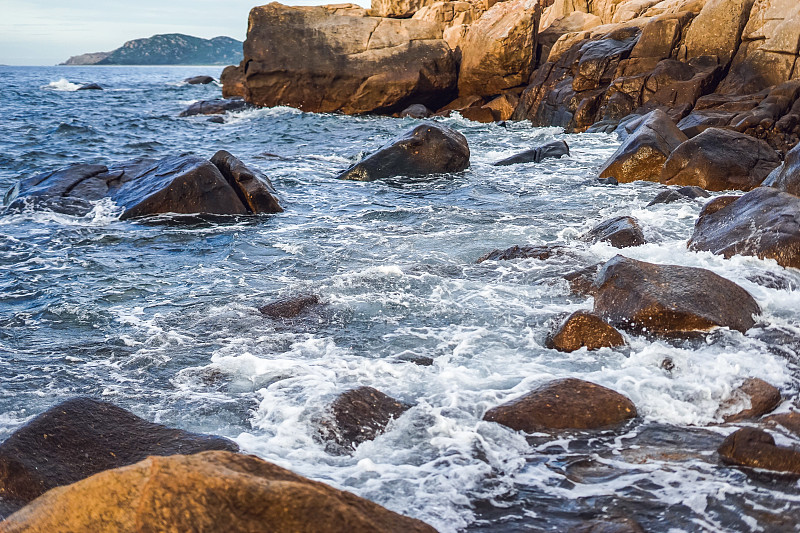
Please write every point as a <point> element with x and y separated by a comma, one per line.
<point>420,360</point>
<point>583,329</point>
<point>760,395</point>
<point>90,87</point>
<point>720,160</point>
<point>755,448</point>
<point>670,300</point>
<point>771,280</point>
<point>537,155</point>
<point>426,149</point>
<point>359,415</point>
<point>697,122</point>
<point>610,525</point>
<point>645,150</point>
<point>81,437</point>
<point>720,202</point>
<point>582,281</point>
<point>619,232</point>
<point>416,111</point>
<point>216,120</point>
<point>764,223</point>
<point>564,404</point>
<point>199,80</point>
<point>608,181</point>
<point>679,195</point>
<point>790,421</point>
<point>290,307</point>
<point>786,178</point>
<point>253,188</point>
<point>214,107</point>
<point>523,252</point>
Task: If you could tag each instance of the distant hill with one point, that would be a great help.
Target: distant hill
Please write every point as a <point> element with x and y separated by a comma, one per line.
<point>167,49</point>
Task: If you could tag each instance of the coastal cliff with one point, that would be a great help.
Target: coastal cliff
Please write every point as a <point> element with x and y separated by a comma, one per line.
<point>167,49</point>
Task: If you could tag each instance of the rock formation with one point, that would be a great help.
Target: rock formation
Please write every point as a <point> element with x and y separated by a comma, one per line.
<point>583,329</point>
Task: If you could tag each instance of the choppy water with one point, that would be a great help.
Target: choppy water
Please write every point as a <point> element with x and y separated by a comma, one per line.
<point>162,318</point>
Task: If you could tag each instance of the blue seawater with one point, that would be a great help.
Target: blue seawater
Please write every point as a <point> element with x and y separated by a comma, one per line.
<point>161,317</point>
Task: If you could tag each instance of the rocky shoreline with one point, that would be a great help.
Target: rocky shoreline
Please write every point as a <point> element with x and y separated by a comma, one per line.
<point>705,97</point>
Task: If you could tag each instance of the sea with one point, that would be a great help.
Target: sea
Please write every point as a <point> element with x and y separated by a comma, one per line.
<point>160,316</point>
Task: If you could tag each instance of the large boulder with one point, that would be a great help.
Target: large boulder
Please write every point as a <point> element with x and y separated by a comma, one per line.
<point>359,415</point>
<point>619,232</point>
<point>210,492</point>
<point>426,149</point>
<point>720,160</point>
<point>670,300</point>
<point>764,223</point>
<point>645,150</point>
<point>564,404</point>
<point>81,437</point>
<point>583,329</point>
<point>336,59</point>
<point>554,149</point>
<point>218,106</point>
<point>176,184</point>
<point>755,448</point>
<point>786,178</point>
<point>499,51</point>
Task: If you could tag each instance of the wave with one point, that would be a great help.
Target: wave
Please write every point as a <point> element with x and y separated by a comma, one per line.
<point>62,85</point>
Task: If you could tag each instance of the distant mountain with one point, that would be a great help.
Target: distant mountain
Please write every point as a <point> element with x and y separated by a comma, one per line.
<point>167,49</point>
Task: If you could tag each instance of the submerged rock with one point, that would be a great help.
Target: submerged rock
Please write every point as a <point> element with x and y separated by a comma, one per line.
<point>211,492</point>
<point>678,195</point>
<point>564,404</point>
<point>764,223</point>
<point>426,149</point>
<point>755,397</point>
<point>523,252</point>
<point>619,232</point>
<point>755,448</point>
<point>536,155</point>
<point>645,150</point>
<point>359,415</point>
<point>720,160</point>
<point>583,329</point>
<point>214,107</point>
<point>176,184</point>
<point>81,437</point>
<point>199,80</point>
<point>90,87</point>
<point>670,300</point>
<point>290,307</point>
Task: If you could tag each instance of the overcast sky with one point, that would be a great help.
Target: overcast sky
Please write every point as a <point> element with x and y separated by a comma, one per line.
<point>47,32</point>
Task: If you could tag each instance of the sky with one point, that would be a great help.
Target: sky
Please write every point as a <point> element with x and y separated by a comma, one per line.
<point>47,32</point>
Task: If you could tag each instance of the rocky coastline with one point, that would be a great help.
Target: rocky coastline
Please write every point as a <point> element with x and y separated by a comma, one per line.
<point>705,96</point>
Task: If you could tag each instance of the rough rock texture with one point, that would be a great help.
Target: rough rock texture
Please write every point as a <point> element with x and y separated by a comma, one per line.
<point>359,415</point>
<point>537,155</point>
<point>755,397</point>
<point>232,80</point>
<point>175,184</point>
<point>764,223</point>
<point>670,300</point>
<point>426,149</point>
<point>786,178</point>
<point>499,50</point>
<point>522,252</point>
<point>80,437</point>
<point>289,307</point>
<point>210,492</point>
<point>755,448</point>
<point>581,282</point>
<point>562,405</point>
<point>720,160</point>
<point>335,58</point>
<point>717,30</point>
<point>678,195</point>
<point>584,329</point>
<point>397,8</point>
<point>214,107</point>
<point>642,155</point>
<point>619,232</point>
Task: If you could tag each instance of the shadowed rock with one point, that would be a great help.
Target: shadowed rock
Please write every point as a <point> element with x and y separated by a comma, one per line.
<point>426,149</point>
<point>290,307</point>
<point>755,448</point>
<point>536,155</point>
<point>213,492</point>
<point>232,80</point>
<point>670,300</point>
<point>786,178</point>
<point>199,80</point>
<point>760,396</point>
<point>253,188</point>
<point>764,223</point>
<point>359,415</point>
<point>720,160</point>
<point>582,281</point>
<point>214,107</point>
<point>619,232</point>
<point>523,252</point>
<point>90,87</point>
<point>609,525</point>
<point>82,436</point>
<point>562,405</point>
<point>678,195</point>
<point>790,421</point>
<point>416,111</point>
<point>583,329</point>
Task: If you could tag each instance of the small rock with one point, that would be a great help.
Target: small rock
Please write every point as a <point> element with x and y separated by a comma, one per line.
<point>537,155</point>
<point>679,195</point>
<point>216,120</point>
<point>215,107</point>
<point>564,404</point>
<point>290,307</point>
<point>359,415</point>
<point>522,252</point>
<point>610,525</point>
<point>584,329</point>
<point>199,80</point>
<point>755,448</point>
<point>582,281</point>
<point>611,180</point>
<point>90,87</point>
<point>790,421</point>
<point>416,111</point>
<point>619,232</point>
<point>757,393</point>
<point>426,149</point>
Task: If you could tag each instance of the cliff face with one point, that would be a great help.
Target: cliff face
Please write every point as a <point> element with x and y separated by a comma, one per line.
<point>167,49</point>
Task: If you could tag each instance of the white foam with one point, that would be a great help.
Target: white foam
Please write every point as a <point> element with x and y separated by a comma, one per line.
<point>62,85</point>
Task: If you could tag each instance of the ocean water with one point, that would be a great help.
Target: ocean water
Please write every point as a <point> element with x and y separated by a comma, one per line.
<point>161,318</point>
